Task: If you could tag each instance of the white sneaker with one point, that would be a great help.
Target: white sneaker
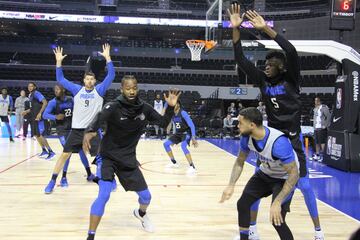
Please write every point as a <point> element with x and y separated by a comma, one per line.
<point>314,157</point>
<point>172,165</point>
<point>319,235</point>
<point>253,233</point>
<point>191,171</point>
<point>145,221</point>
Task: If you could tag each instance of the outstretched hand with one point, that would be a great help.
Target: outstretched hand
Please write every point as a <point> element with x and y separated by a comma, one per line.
<point>173,96</point>
<point>256,20</point>
<point>234,15</point>
<point>59,56</point>
<point>106,51</point>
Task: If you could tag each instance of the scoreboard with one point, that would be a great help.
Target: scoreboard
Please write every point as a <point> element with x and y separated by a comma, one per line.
<point>342,16</point>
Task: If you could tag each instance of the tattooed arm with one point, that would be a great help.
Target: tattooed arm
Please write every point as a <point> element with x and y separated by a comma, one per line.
<point>235,174</point>
<point>288,187</point>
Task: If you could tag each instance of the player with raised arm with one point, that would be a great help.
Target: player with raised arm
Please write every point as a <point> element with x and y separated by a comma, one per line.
<point>280,90</point>
<point>88,101</point>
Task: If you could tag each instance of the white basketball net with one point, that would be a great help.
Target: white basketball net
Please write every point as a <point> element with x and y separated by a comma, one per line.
<point>195,49</point>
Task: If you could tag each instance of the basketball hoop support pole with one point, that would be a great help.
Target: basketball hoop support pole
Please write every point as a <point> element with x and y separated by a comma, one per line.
<point>208,12</point>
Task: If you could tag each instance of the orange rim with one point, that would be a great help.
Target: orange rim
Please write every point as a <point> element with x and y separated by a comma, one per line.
<point>208,44</point>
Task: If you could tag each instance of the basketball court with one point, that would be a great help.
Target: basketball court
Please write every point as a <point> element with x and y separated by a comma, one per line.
<point>183,207</point>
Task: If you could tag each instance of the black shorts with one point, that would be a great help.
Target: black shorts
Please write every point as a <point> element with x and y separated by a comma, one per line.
<point>38,128</point>
<point>261,185</point>
<point>4,119</point>
<point>320,136</point>
<point>74,142</point>
<point>178,138</point>
<point>131,179</point>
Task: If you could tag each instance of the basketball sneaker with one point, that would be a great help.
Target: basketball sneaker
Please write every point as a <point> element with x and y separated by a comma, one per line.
<point>319,235</point>
<point>50,187</point>
<point>64,182</point>
<point>50,156</point>
<point>44,154</point>
<point>145,221</point>
<point>253,233</point>
<point>314,157</point>
<point>172,165</point>
<point>90,178</point>
<point>191,171</point>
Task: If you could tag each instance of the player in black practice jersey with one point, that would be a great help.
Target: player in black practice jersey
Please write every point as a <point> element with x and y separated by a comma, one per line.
<point>184,133</point>
<point>280,90</point>
<point>125,119</point>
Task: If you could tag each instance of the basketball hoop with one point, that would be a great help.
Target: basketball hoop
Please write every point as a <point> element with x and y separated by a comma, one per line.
<point>196,46</point>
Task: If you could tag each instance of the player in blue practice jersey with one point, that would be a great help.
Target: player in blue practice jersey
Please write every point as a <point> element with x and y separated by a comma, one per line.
<point>276,176</point>
<point>184,133</point>
<point>60,110</point>
<point>88,101</point>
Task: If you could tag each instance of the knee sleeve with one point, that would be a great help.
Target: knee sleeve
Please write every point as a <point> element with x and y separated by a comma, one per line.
<point>98,207</point>
<point>309,196</point>
<point>167,145</point>
<point>255,206</point>
<point>144,197</point>
<point>184,147</point>
<point>243,208</point>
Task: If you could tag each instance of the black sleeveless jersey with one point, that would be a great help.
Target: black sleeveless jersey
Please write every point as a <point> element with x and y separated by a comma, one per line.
<point>281,95</point>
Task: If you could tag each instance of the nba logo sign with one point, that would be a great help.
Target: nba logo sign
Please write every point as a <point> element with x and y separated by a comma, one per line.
<point>329,142</point>
<point>338,98</point>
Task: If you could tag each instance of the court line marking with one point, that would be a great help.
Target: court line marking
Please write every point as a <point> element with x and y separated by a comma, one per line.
<point>337,210</point>
<point>14,165</point>
<point>170,173</point>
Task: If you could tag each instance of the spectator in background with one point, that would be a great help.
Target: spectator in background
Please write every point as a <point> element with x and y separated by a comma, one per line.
<point>19,108</point>
<point>27,120</point>
<point>228,125</point>
<point>321,123</point>
<point>239,108</point>
<point>202,109</point>
<point>232,110</point>
<point>262,109</point>
<point>158,106</point>
<point>6,107</point>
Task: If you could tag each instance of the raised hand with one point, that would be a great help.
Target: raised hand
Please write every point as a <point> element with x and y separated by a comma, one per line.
<point>234,14</point>
<point>256,20</point>
<point>58,51</point>
<point>172,98</point>
<point>106,52</point>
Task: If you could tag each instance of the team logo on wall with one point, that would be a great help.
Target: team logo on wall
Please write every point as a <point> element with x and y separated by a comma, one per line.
<point>338,98</point>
